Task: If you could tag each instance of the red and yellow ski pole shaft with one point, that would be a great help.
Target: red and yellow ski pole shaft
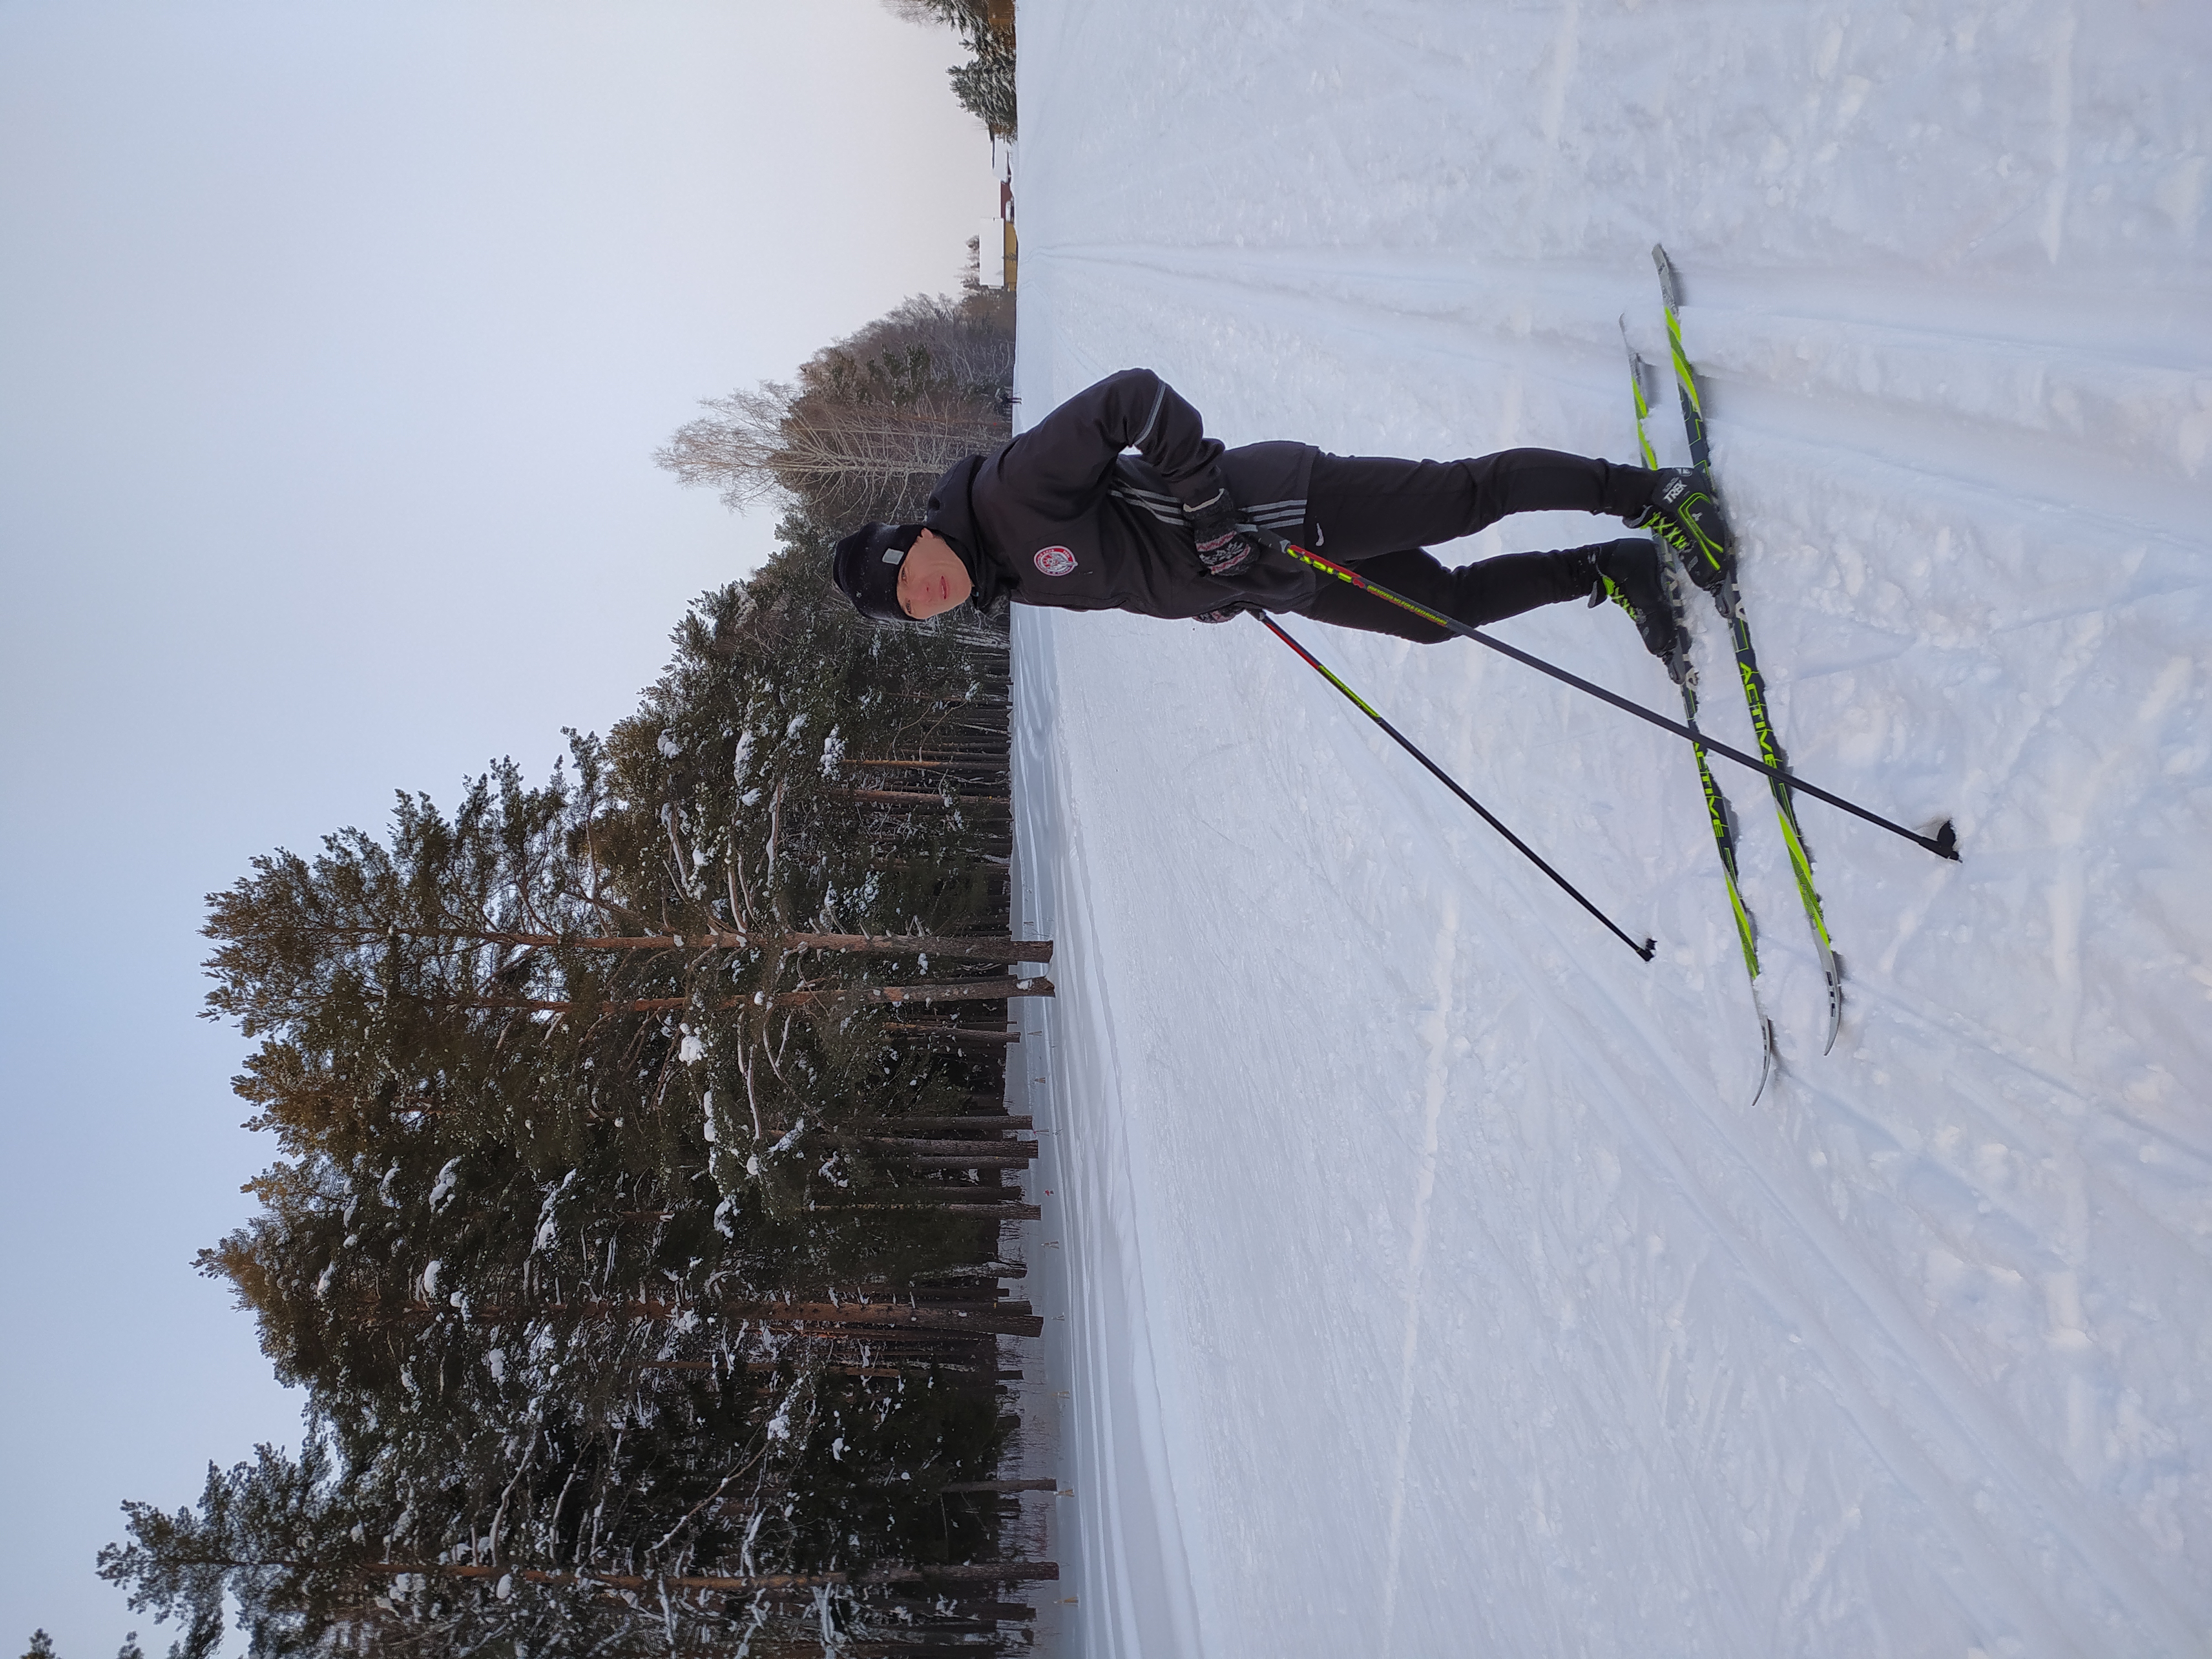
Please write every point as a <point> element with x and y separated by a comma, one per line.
<point>1445,779</point>
<point>1944,843</point>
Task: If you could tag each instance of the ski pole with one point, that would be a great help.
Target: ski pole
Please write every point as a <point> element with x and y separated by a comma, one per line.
<point>1445,779</point>
<point>1944,843</point>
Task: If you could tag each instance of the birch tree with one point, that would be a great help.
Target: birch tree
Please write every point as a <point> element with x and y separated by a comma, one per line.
<point>870,424</point>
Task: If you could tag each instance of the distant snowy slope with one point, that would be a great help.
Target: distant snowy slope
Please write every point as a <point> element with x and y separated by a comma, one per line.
<point>1437,1287</point>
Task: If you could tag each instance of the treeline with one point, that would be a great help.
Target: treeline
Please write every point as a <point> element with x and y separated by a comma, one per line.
<point>985,84</point>
<point>642,1156</point>
<point>869,424</point>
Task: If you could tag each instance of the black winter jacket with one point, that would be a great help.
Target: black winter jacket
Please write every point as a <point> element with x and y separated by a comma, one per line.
<point>1061,516</point>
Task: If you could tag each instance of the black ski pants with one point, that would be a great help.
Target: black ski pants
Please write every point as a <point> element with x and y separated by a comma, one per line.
<point>1380,513</point>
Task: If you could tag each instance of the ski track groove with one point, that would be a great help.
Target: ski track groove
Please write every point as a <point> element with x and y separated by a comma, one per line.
<point>1927,444</point>
<point>1437,1031</point>
<point>2022,1124</point>
<point>1997,1443</point>
<point>2168,329</point>
<point>2003,1463</point>
<point>1899,1450</point>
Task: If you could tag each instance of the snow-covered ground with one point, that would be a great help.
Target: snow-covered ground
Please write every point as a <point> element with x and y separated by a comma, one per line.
<point>1433,1285</point>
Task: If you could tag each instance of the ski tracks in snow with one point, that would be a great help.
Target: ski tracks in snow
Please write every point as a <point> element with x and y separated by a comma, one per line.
<point>1480,1311</point>
<point>1436,1034</point>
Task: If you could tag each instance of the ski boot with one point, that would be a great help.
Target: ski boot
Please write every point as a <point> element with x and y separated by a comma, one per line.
<point>1629,573</point>
<point>1684,510</point>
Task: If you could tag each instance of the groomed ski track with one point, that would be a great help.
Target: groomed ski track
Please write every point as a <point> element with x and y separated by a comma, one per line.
<point>1430,1285</point>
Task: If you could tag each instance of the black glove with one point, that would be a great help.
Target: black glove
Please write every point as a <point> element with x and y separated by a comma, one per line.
<point>1223,547</point>
<point>1227,613</point>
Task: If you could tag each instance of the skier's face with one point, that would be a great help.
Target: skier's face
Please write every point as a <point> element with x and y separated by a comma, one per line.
<point>932,580</point>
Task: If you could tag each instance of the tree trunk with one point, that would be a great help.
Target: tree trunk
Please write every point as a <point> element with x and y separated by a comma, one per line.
<point>947,763</point>
<point>982,950</point>
<point>999,1212</point>
<point>1020,1151</point>
<point>920,798</point>
<point>956,1032</point>
<point>1002,1486</point>
<point>981,1125</point>
<point>968,990</point>
<point>963,1572</point>
<point>976,950</point>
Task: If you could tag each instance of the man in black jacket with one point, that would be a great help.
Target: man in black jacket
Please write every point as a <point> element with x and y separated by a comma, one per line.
<point>1185,528</point>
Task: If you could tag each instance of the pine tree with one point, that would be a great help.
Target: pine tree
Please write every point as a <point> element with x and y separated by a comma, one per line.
<point>592,1236</point>
<point>985,84</point>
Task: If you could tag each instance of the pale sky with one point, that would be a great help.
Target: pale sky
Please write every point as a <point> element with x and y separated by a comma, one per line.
<point>335,340</point>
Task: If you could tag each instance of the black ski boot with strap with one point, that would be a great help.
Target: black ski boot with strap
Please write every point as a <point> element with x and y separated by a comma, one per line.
<point>1628,572</point>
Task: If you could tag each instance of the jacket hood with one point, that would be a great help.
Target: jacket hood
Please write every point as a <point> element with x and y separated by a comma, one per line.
<point>951,513</point>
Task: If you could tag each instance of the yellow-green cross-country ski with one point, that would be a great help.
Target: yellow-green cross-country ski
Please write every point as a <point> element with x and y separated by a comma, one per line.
<point>1717,804</point>
<point>1730,605</point>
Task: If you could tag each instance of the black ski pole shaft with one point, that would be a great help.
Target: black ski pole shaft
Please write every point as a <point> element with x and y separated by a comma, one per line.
<point>1944,843</point>
<point>1445,779</point>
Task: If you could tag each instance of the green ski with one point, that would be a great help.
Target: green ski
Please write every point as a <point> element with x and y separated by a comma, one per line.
<point>1730,605</point>
<point>1717,804</point>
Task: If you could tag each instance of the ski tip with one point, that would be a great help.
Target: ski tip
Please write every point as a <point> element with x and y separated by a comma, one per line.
<point>1945,842</point>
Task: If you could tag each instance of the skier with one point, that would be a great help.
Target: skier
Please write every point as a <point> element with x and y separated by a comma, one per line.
<point>1062,516</point>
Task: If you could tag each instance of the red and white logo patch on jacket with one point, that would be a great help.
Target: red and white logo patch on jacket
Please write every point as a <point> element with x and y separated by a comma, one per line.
<point>1055,561</point>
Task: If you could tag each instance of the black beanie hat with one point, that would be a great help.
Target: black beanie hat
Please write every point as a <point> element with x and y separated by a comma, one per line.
<point>866,568</point>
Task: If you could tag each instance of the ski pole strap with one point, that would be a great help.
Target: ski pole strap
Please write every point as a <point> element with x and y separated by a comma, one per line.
<point>1944,843</point>
<point>1442,777</point>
